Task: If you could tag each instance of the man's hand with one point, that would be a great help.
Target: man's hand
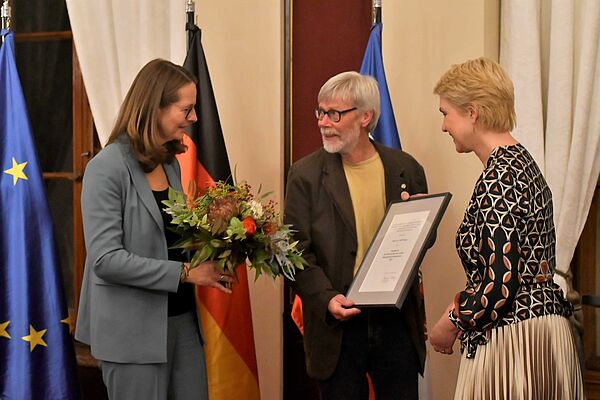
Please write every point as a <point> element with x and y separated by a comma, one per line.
<point>341,308</point>
<point>405,196</point>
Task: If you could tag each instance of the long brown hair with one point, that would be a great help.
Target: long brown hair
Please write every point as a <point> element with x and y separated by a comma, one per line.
<point>155,87</point>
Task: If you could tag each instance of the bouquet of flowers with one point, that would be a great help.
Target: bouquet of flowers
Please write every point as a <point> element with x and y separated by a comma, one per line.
<point>229,225</point>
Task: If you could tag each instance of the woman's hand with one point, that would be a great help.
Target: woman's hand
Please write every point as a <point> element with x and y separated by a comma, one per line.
<point>207,274</point>
<point>444,333</point>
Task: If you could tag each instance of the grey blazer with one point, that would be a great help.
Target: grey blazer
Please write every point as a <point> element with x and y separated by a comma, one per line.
<point>123,303</point>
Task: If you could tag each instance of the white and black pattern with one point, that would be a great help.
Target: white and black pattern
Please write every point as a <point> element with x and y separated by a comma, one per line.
<point>506,243</point>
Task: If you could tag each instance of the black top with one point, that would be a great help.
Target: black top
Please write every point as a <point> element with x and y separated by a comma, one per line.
<point>183,300</point>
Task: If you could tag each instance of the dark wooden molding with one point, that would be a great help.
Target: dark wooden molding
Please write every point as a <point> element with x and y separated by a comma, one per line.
<point>43,36</point>
<point>592,385</point>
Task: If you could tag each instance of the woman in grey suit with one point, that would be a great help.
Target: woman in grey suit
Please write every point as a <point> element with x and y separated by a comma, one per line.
<point>137,305</point>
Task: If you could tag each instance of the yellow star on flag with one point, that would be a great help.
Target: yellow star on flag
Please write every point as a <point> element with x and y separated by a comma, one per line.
<point>3,332</point>
<point>34,338</point>
<point>17,171</point>
<point>69,322</point>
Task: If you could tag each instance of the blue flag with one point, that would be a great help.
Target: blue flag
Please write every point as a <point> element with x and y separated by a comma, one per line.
<point>386,131</point>
<point>37,360</point>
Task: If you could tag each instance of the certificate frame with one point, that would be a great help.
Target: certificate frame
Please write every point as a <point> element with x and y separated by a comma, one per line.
<point>391,262</point>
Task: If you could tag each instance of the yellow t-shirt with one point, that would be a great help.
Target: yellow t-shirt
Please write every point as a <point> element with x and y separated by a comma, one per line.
<point>366,182</point>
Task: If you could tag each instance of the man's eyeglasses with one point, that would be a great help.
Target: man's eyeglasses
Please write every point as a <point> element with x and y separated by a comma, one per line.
<point>333,115</point>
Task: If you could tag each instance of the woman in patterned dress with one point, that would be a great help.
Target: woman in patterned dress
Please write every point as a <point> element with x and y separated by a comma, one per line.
<point>511,318</point>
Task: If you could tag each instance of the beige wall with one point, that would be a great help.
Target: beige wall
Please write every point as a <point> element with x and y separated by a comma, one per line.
<point>421,39</point>
<point>243,42</point>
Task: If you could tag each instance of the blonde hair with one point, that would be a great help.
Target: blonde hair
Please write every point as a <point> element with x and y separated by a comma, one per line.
<point>155,87</point>
<point>484,84</point>
<point>361,90</point>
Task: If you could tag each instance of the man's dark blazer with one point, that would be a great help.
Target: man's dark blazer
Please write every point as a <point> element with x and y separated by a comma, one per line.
<point>319,207</point>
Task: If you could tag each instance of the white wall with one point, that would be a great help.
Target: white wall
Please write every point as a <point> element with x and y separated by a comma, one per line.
<point>243,42</point>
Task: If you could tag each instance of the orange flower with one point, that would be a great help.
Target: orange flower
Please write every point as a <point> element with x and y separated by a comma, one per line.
<point>249,225</point>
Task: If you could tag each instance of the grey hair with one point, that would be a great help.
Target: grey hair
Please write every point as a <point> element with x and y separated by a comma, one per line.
<point>361,90</point>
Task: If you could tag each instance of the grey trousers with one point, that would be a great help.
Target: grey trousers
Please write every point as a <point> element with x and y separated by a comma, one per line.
<point>182,377</point>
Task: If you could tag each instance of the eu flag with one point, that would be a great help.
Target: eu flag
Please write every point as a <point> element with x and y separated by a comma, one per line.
<point>386,131</point>
<point>36,350</point>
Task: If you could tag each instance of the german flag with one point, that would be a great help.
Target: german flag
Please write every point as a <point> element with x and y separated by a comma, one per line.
<point>226,319</point>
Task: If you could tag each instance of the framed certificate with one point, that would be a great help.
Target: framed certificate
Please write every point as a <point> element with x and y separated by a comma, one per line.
<point>391,262</point>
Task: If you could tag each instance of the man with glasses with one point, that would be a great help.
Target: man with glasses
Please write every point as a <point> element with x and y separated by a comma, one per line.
<point>335,199</point>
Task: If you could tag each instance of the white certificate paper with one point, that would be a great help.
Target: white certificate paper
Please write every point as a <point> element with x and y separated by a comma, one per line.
<point>389,268</point>
<point>394,251</point>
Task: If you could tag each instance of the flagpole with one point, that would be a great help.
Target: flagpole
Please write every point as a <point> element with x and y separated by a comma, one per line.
<point>190,9</point>
<point>377,11</point>
<point>5,16</point>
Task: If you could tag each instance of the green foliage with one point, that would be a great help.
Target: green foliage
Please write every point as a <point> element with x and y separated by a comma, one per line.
<point>212,227</point>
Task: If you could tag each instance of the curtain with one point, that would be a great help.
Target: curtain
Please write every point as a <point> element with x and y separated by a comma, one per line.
<point>114,39</point>
<point>550,48</point>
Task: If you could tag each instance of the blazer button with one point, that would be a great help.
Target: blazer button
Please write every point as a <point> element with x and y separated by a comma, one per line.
<point>353,253</point>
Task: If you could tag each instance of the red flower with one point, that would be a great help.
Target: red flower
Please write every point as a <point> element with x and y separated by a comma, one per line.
<point>249,225</point>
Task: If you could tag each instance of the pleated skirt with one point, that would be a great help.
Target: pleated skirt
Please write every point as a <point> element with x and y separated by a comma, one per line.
<point>535,359</point>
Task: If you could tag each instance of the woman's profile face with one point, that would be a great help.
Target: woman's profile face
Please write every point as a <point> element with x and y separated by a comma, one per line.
<point>458,124</point>
<point>175,118</point>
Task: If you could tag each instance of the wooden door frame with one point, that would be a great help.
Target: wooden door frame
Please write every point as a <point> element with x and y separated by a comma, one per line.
<point>313,51</point>
<point>584,267</point>
<point>82,150</point>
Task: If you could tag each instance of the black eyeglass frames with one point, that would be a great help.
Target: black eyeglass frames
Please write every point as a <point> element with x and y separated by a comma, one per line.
<point>333,115</point>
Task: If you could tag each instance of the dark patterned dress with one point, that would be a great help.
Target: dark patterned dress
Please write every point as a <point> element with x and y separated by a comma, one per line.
<point>506,244</point>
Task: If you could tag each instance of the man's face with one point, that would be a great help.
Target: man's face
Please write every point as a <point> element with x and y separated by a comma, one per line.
<point>342,136</point>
